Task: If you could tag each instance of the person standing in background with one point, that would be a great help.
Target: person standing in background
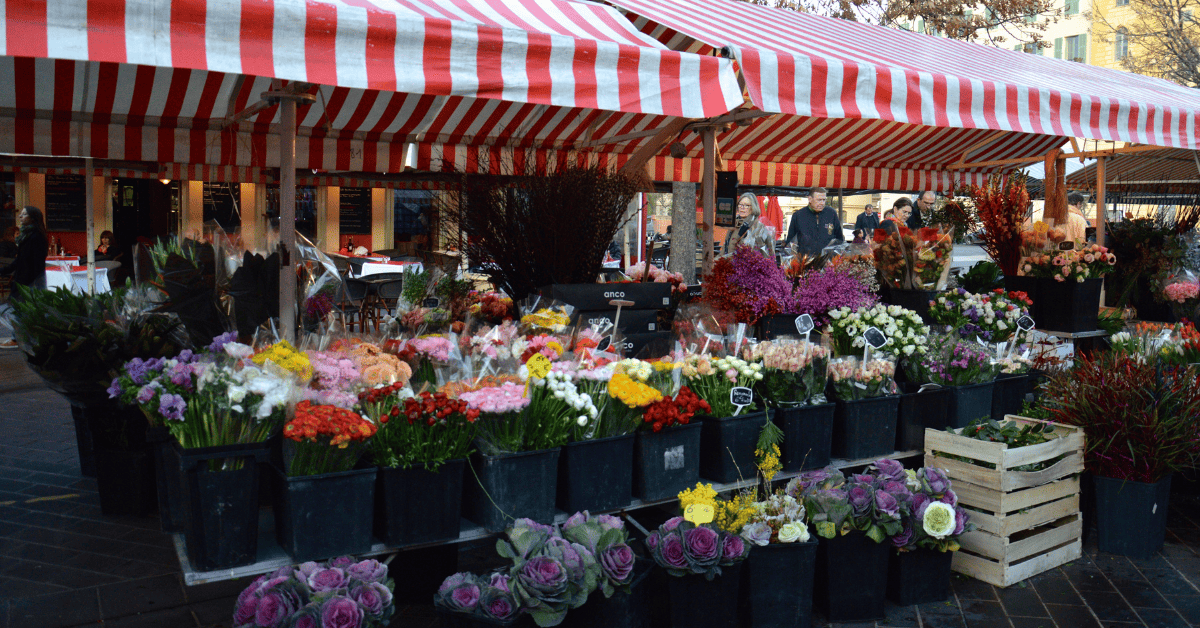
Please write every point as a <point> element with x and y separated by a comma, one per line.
<point>28,268</point>
<point>868,221</point>
<point>924,203</point>
<point>814,228</point>
<point>749,231</point>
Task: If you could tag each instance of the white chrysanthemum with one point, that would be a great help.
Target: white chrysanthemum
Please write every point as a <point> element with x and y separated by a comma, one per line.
<point>939,520</point>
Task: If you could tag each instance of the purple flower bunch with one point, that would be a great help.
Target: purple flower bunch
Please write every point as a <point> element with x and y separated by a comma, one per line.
<point>869,503</point>
<point>684,548</point>
<point>606,538</point>
<point>952,361</point>
<point>341,593</point>
<point>484,596</point>
<point>930,486</point>
<point>158,385</point>
<point>832,287</point>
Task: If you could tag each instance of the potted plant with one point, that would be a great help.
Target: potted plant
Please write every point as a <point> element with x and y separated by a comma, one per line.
<point>323,505</point>
<point>913,265</point>
<point>1150,248</point>
<point>966,369</point>
<point>854,518</point>
<point>795,374</point>
<point>339,592</point>
<point>666,455</point>
<point>1138,416</point>
<point>1071,282</point>
<point>777,579</point>
<point>730,432</point>
<point>866,406</point>
<point>703,562</point>
<point>465,600</point>
<point>595,468</point>
<point>220,430</point>
<point>919,568</point>
<point>421,451</point>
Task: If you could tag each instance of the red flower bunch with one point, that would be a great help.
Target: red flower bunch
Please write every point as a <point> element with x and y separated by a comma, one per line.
<point>326,439</point>
<point>434,408</point>
<point>380,403</point>
<point>1001,204</point>
<point>677,411</point>
<point>315,422</point>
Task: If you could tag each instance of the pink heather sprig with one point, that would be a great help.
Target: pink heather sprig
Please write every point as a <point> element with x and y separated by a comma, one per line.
<point>828,289</point>
<point>761,281</point>
<point>507,397</point>
<point>432,347</point>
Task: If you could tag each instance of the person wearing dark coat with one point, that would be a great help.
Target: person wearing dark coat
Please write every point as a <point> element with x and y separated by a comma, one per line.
<point>813,228</point>
<point>868,221</point>
<point>924,203</point>
<point>28,268</point>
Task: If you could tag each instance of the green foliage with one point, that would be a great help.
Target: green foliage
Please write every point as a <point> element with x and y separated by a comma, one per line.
<point>1011,433</point>
<point>982,278</point>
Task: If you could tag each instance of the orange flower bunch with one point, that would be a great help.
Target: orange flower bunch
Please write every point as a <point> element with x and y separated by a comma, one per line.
<point>455,388</point>
<point>1001,204</point>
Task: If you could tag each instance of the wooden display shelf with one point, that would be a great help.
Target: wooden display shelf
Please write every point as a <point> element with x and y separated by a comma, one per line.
<point>271,556</point>
<point>1029,521</point>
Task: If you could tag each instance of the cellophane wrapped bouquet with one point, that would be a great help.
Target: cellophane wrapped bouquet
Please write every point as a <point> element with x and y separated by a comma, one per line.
<point>904,330</point>
<point>990,317</point>
<point>794,372</point>
<point>852,379</point>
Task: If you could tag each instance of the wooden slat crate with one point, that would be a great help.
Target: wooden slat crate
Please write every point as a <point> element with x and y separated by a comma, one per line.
<point>1029,521</point>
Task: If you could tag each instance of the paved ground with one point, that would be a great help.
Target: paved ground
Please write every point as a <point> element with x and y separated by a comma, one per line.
<point>64,564</point>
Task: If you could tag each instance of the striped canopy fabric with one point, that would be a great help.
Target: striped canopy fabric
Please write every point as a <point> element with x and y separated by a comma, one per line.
<point>160,80</point>
<point>885,105</point>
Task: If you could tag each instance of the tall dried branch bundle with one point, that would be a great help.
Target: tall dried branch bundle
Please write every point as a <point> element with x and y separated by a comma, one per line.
<point>529,231</point>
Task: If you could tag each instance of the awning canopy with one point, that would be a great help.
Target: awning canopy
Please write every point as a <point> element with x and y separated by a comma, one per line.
<point>178,83</point>
<point>1170,170</point>
<point>873,107</point>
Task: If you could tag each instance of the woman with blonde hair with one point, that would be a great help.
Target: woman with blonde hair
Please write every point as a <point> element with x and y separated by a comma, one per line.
<point>748,230</point>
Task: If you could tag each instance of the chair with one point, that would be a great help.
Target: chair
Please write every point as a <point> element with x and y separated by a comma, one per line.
<point>356,264</point>
<point>660,256</point>
<point>349,298</point>
<point>388,294</point>
<point>342,266</point>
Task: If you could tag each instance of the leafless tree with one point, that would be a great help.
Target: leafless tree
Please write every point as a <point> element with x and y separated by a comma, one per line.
<point>1162,39</point>
<point>993,22</point>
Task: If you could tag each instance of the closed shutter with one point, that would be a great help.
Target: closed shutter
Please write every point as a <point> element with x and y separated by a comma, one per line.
<point>1082,49</point>
<point>1058,47</point>
<point>1071,7</point>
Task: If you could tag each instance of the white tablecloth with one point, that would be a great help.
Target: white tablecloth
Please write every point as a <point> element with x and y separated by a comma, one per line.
<point>77,280</point>
<point>64,261</point>
<point>374,268</point>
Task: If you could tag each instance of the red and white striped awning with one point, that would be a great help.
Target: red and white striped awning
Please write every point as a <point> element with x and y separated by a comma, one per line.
<point>160,80</point>
<point>874,99</point>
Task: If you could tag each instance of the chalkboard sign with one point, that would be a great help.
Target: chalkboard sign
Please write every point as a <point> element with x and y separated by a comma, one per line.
<point>804,323</point>
<point>1025,323</point>
<point>355,211</point>
<point>431,302</point>
<point>874,337</point>
<point>66,202</point>
<point>741,396</point>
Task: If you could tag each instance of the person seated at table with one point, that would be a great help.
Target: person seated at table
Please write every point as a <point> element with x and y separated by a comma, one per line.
<point>8,244</point>
<point>28,267</point>
<point>108,248</point>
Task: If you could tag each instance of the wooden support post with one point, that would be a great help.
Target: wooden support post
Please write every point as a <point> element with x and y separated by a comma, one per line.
<point>709,194</point>
<point>1101,210</point>
<point>287,219</point>
<point>89,186</point>
<point>683,230</point>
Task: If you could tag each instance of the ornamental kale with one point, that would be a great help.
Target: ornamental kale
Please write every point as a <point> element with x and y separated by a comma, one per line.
<point>838,505</point>
<point>934,519</point>
<point>684,548</point>
<point>605,537</point>
<point>340,593</point>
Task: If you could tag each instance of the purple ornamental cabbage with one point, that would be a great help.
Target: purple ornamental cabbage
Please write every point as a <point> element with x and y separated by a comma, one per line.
<point>669,552</point>
<point>609,522</point>
<point>453,581</point>
<point>886,503</point>
<point>890,470</point>
<point>861,500</point>
<point>304,570</point>
<point>246,608</point>
<point>702,547</point>
<point>341,612</point>
<point>617,563</point>
<point>499,581</point>
<point>949,497</point>
<point>369,570</point>
<point>758,533</point>
<point>464,597</point>
<point>904,537</point>
<point>341,562</point>
<point>330,579</point>
<point>308,617</point>
<point>374,598</point>
<point>275,607</point>
<point>960,521</point>
<point>498,604</point>
<point>733,549</point>
<point>543,576</point>
<point>652,541</point>
<point>672,523</point>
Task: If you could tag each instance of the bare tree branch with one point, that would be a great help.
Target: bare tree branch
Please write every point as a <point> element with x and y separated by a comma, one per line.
<point>1162,39</point>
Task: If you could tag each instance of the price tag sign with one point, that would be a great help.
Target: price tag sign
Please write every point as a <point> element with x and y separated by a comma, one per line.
<point>431,302</point>
<point>804,324</point>
<point>874,338</point>
<point>1025,323</point>
<point>698,513</point>
<point>741,397</point>
<point>539,366</point>
<point>604,344</point>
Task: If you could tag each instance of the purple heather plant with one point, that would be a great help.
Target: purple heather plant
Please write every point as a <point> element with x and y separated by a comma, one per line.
<point>827,289</point>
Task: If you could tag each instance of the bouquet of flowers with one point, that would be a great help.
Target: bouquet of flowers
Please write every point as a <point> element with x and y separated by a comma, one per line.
<point>340,593</point>
<point>729,515</point>
<point>676,410</point>
<point>892,250</point>
<point>906,333</point>
<point>777,519</point>
<point>379,367</point>
<point>1076,265</point>
<point>837,505</point>
<point>794,372</point>
<point>544,316</point>
<point>490,597</point>
<point>606,538</point>
<point>538,344</point>
<point>713,379</point>
<point>991,317</point>
<point>1000,204</point>
<point>953,362</point>
<point>818,292</point>
<point>503,423</point>
<point>283,355</point>
<point>427,429</point>
<point>662,375</point>
<point>335,377</point>
<point>556,407</point>
<point>550,574</point>
<point>494,307</point>
<point>852,380</point>
<point>1182,292</point>
<point>324,439</point>
<point>628,400</point>
<point>425,354</point>
<point>1014,364</point>
<point>749,286</point>
<point>684,548</point>
<point>933,520</point>
<point>931,257</point>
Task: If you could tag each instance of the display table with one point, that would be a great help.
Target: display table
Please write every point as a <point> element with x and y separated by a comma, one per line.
<point>271,556</point>
<point>374,268</point>
<point>75,278</point>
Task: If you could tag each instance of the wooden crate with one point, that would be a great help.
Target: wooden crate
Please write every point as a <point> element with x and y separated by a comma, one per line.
<point>1029,521</point>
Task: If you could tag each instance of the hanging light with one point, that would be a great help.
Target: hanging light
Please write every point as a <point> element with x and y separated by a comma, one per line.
<point>165,181</point>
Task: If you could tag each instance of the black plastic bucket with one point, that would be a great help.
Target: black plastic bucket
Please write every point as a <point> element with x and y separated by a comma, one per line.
<point>918,411</point>
<point>506,487</point>
<point>1008,395</point>
<point>666,462</point>
<point>696,601</point>
<point>168,481</point>
<point>727,446</point>
<point>919,576</point>
<point>851,578</point>
<point>414,505</point>
<point>807,436</point>
<point>1131,517</point>
<point>220,507</point>
<point>865,428</point>
<point>596,475</point>
<point>324,516</point>
<point>777,585</point>
<point>125,481</point>
<point>970,403</point>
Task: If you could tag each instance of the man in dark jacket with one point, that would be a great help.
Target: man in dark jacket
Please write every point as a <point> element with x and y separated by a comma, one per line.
<point>868,221</point>
<point>923,203</point>
<point>813,228</point>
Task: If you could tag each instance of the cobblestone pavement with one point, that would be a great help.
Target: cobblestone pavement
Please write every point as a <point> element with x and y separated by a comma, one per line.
<point>64,564</point>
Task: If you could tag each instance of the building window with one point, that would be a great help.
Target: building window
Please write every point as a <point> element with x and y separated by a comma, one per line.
<point>1122,3</point>
<point>1076,48</point>
<point>1071,7</point>
<point>1121,44</point>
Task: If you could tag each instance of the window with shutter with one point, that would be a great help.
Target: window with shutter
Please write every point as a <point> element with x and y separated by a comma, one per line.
<point>1071,7</point>
<point>1058,45</point>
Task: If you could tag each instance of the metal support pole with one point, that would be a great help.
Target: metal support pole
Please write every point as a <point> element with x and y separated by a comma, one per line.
<point>287,219</point>
<point>1101,210</point>
<point>89,186</point>
<point>708,195</point>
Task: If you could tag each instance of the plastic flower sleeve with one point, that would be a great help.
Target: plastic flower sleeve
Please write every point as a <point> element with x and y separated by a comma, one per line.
<point>543,315</point>
<point>931,257</point>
